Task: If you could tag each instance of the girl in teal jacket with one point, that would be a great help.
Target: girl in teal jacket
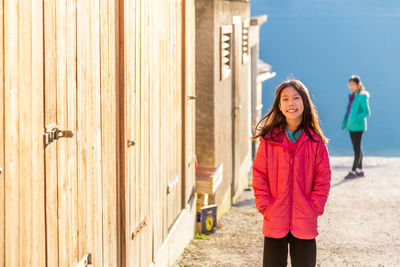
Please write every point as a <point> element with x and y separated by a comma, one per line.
<point>355,121</point>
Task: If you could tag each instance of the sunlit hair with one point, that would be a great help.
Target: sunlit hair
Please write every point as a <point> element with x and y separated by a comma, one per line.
<point>357,80</point>
<point>276,120</point>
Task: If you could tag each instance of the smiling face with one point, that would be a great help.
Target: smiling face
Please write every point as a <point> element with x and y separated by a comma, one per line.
<point>292,106</point>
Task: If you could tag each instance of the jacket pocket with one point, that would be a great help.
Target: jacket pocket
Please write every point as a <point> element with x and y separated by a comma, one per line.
<point>267,211</point>
<point>312,207</point>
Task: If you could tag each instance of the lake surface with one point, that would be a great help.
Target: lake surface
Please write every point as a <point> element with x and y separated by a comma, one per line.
<point>322,43</point>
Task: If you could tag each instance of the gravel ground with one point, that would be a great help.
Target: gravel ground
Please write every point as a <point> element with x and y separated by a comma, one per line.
<point>360,227</point>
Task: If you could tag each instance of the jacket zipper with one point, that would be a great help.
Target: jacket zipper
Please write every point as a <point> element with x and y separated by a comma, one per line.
<point>291,191</point>
<point>291,178</point>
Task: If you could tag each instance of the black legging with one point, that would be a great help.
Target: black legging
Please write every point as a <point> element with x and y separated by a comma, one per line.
<point>358,155</point>
<point>303,253</point>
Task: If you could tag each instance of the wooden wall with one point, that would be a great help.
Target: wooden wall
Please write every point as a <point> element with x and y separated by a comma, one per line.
<point>111,72</point>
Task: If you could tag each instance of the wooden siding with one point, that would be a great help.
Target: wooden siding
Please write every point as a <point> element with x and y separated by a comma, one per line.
<point>111,72</point>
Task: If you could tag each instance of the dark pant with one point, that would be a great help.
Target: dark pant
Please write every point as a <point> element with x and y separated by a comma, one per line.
<point>303,253</point>
<point>358,155</point>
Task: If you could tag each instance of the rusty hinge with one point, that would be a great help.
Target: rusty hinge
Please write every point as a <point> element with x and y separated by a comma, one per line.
<point>52,133</point>
<point>85,261</point>
<point>139,228</point>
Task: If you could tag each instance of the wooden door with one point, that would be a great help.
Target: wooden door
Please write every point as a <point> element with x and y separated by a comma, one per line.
<point>189,98</point>
<point>152,125</point>
<point>57,199</point>
<point>237,105</point>
<point>80,99</point>
<point>136,140</point>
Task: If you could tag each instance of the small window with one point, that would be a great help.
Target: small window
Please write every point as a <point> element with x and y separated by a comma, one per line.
<point>226,51</point>
<point>245,41</point>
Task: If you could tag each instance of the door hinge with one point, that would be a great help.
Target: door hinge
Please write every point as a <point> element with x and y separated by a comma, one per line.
<point>85,261</point>
<point>139,228</point>
<point>52,133</point>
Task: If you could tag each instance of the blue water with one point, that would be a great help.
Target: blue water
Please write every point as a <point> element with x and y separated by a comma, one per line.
<point>322,43</point>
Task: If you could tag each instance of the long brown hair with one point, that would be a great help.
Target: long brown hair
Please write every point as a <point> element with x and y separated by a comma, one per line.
<point>275,118</point>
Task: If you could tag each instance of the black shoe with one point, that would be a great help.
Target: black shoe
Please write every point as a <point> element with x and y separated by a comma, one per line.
<point>360,174</point>
<point>350,175</point>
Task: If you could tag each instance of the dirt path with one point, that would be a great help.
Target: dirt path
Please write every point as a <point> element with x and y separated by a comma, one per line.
<point>360,227</point>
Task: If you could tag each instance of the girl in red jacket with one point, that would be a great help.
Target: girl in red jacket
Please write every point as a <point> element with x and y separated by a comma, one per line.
<point>291,176</point>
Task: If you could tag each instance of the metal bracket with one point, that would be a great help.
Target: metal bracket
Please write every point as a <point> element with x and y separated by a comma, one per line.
<point>85,261</point>
<point>139,228</point>
<point>52,133</point>
<point>192,160</point>
<point>131,143</point>
<point>173,183</point>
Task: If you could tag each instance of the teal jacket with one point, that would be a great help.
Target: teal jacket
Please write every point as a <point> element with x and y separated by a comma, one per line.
<point>359,112</point>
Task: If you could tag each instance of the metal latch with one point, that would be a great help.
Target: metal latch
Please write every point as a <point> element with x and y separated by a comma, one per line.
<point>52,133</point>
<point>173,183</point>
<point>139,228</point>
<point>131,143</point>
<point>85,261</point>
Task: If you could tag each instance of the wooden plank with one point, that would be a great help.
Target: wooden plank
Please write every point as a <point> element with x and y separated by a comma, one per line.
<point>11,165</point>
<point>136,197</point>
<point>108,124</point>
<point>172,110</point>
<point>164,123</point>
<point>179,114</point>
<point>147,234</point>
<point>91,173</point>
<point>38,171</point>
<point>94,185</point>
<point>121,115</point>
<point>25,131</point>
<point>2,185</point>
<point>131,22</point>
<point>156,133</point>
<point>171,125</point>
<point>161,69</point>
<point>126,132</point>
<point>178,103</point>
<point>174,107</point>
<point>143,125</point>
<point>82,89</point>
<point>72,171</point>
<point>151,171</point>
<point>168,113</point>
<point>50,117</point>
<point>63,190</point>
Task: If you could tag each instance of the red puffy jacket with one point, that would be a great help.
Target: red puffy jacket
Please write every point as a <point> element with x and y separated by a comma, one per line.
<point>291,188</point>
